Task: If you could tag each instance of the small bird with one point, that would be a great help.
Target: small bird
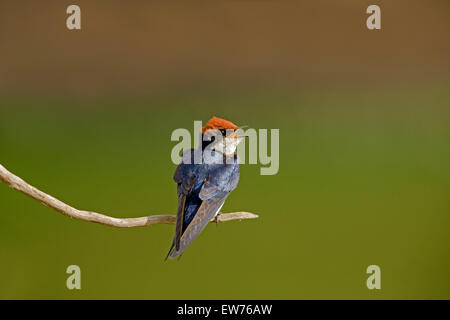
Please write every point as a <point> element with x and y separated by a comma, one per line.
<point>205,178</point>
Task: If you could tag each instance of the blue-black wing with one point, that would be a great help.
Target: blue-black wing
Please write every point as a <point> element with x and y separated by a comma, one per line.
<point>185,177</point>
<point>202,190</point>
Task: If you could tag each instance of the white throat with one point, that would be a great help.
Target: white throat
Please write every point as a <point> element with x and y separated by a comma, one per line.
<point>227,146</point>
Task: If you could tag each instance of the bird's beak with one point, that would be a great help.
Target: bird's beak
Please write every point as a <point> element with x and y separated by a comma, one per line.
<point>234,134</point>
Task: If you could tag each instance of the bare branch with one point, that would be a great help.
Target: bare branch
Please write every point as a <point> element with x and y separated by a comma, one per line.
<point>17,183</point>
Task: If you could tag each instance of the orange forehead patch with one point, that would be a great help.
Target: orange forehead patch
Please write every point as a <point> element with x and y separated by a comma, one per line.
<point>218,123</point>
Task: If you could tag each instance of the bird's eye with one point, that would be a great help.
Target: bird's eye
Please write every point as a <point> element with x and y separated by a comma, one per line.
<point>223,132</point>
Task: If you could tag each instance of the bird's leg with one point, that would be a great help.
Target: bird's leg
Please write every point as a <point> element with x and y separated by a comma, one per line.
<point>216,219</point>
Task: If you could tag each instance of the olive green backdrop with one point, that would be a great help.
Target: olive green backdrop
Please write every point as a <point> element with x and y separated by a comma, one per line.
<point>364,120</point>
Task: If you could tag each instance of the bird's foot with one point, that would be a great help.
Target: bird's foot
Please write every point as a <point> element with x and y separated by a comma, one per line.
<point>216,219</point>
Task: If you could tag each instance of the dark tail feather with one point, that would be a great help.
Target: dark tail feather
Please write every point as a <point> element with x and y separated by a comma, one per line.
<point>172,254</point>
<point>170,251</point>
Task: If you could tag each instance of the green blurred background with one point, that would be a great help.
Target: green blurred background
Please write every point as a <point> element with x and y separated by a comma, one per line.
<point>364,119</point>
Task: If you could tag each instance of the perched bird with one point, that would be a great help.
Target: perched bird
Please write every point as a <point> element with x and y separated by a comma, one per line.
<point>205,178</point>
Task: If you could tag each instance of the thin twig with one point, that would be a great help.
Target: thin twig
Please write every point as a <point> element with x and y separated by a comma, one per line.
<point>17,183</point>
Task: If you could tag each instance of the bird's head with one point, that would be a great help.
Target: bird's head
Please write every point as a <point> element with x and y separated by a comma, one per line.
<point>225,133</point>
